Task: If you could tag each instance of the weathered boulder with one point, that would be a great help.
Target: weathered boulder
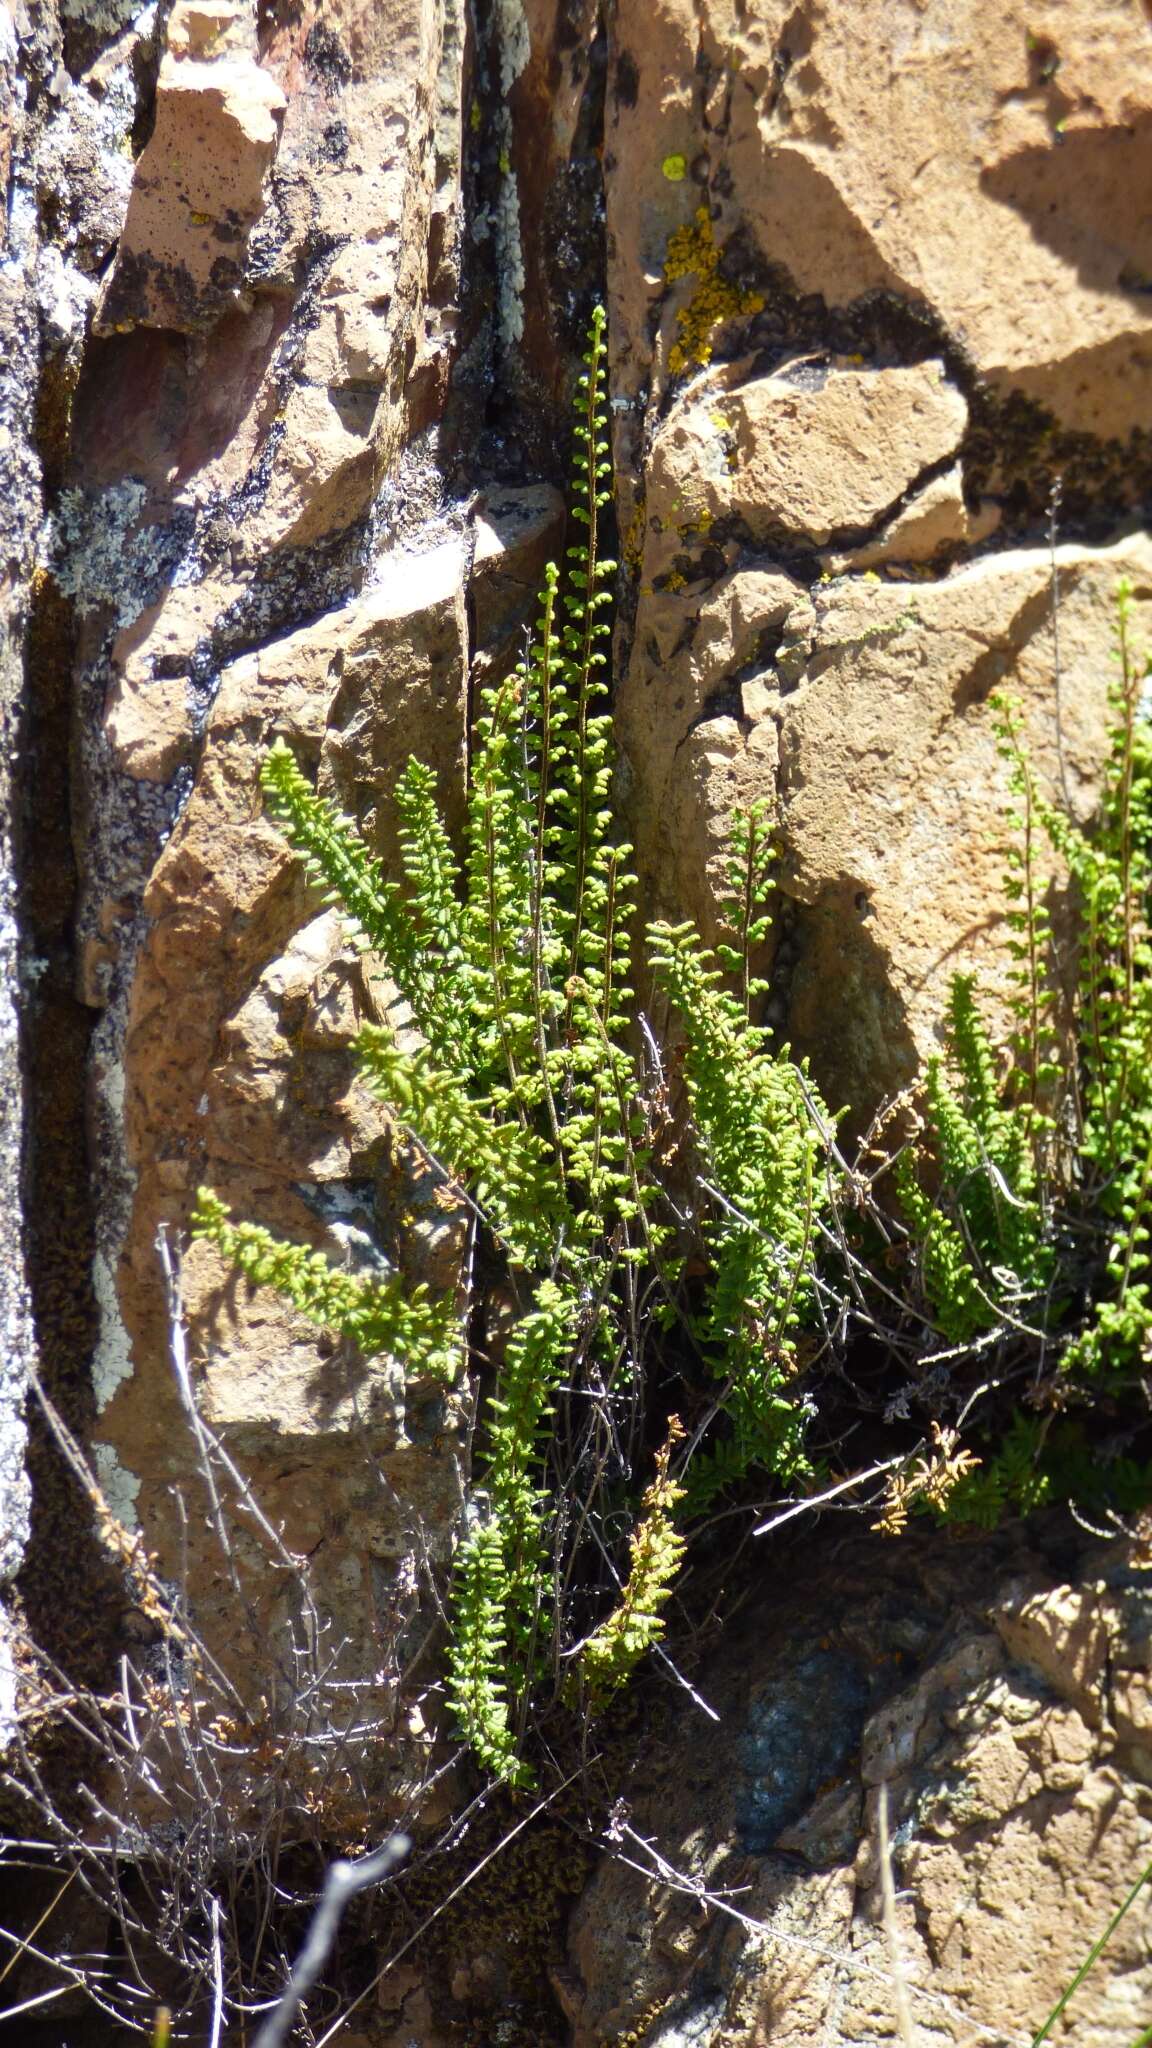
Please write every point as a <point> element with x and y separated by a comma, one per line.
<point>742,1902</point>
<point>810,452</point>
<point>198,187</point>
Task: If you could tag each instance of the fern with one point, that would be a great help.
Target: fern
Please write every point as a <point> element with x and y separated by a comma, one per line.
<point>336,857</point>
<point>656,1552</point>
<point>514,963</point>
<point>537,1353</point>
<point>506,1167</point>
<point>985,1246</point>
<point>749,888</point>
<point>1113,870</point>
<point>521,1089</point>
<point>762,1133</point>
<point>381,1316</point>
<point>477,1661</point>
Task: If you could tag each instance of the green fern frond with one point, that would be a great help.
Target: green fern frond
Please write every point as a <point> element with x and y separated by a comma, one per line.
<point>746,899</point>
<point>656,1553</point>
<point>984,1240</point>
<point>960,1305</point>
<point>534,1365</point>
<point>336,856</point>
<point>506,1168</point>
<point>477,1655</point>
<point>434,904</point>
<point>762,1132</point>
<point>381,1316</point>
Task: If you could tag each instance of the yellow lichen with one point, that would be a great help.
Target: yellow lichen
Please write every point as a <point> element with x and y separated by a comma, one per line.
<point>692,252</point>
<point>632,547</point>
<point>675,168</point>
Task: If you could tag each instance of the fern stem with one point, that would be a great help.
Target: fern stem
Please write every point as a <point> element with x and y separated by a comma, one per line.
<point>587,636</point>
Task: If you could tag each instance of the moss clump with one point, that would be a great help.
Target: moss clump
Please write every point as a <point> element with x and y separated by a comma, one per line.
<point>692,252</point>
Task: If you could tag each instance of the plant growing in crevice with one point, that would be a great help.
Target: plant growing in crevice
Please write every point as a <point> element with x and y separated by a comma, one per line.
<point>527,1096</point>
<point>1029,1197</point>
<point>649,1246</point>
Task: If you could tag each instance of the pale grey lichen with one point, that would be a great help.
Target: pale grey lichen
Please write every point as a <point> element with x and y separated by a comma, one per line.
<point>120,1487</point>
<point>112,1364</point>
<point>509,260</point>
<point>100,552</point>
<point>514,40</point>
<point>63,296</point>
<point>513,48</point>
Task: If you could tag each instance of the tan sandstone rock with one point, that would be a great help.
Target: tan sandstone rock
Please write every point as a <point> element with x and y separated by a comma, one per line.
<point>199,183</point>
<point>744,1905</point>
<point>238,1071</point>
<point>979,164</point>
<point>935,519</point>
<point>812,451</point>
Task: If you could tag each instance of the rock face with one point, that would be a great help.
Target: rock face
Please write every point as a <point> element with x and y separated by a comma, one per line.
<point>992,1719</point>
<point>19,518</point>
<point>198,186</point>
<point>290,311</point>
<point>973,166</point>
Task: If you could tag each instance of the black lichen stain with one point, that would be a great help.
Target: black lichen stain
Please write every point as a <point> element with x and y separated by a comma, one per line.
<point>627,79</point>
<point>326,57</point>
